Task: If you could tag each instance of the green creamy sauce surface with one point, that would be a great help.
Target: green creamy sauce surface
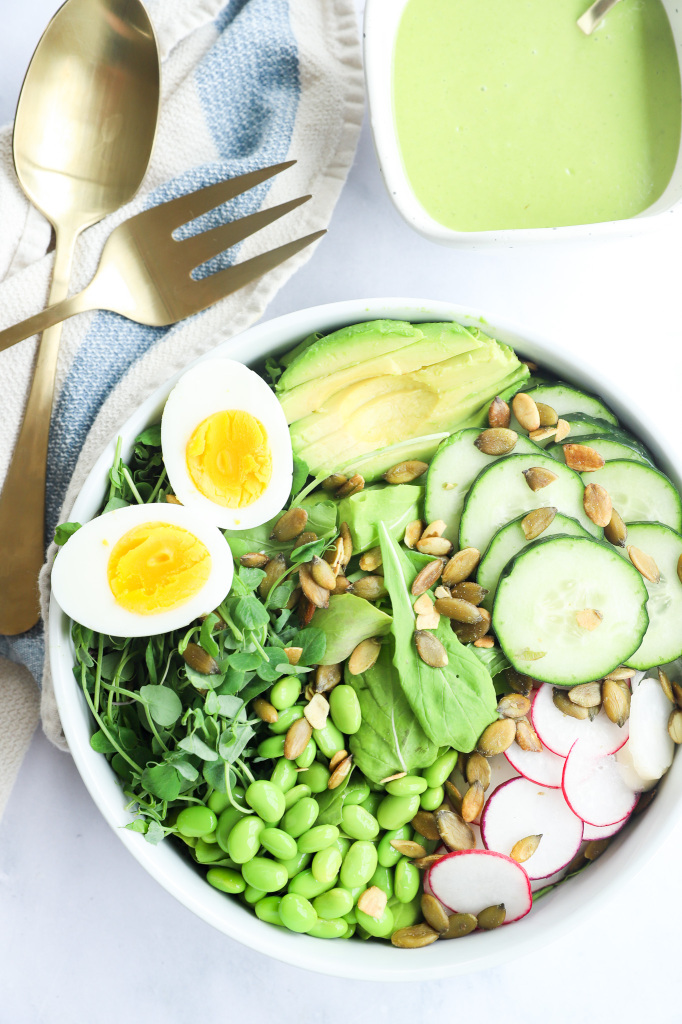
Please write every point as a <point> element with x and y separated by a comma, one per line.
<point>508,116</point>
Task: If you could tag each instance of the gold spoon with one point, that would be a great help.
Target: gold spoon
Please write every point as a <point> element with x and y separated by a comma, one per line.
<point>588,21</point>
<point>83,137</point>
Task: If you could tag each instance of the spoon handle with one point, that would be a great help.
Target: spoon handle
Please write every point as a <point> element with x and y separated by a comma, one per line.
<point>22,501</point>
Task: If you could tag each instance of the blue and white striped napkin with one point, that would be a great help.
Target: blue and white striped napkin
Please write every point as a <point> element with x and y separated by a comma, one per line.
<point>246,83</point>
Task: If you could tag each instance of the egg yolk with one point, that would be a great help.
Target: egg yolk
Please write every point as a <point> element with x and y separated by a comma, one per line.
<point>229,458</point>
<point>156,567</point>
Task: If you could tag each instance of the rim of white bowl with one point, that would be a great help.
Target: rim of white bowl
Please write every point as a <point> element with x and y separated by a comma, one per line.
<point>560,911</point>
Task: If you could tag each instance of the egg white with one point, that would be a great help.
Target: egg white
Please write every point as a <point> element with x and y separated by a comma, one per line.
<point>210,387</point>
<point>81,587</point>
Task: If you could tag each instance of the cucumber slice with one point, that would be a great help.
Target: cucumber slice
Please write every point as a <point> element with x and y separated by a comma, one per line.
<point>606,446</point>
<point>581,425</point>
<point>662,642</point>
<point>542,591</point>
<point>500,494</point>
<point>454,468</point>
<point>564,398</point>
<point>641,494</point>
<point>509,541</point>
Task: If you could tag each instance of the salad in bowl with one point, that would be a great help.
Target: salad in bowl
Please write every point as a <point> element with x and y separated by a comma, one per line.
<point>375,640</point>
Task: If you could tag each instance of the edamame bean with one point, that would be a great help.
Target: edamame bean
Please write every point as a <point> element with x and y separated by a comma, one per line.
<point>359,864</point>
<point>329,739</point>
<point>226,879</point>
<point>208,853</point>
<point>334,903</point>
<point>268,875</point>
<point>210,837</point>
<point>438,772</point>
<point>329,930</point>
<point>272,747</point>
<point>296,794</point>
<point>305,759</point>
<point>432,798</point>
<point>359,823</point>
<point>349,932</point>
<point>357,791</point>
<point>327,864</point>
<point>296,864</point>
<point>371,802</point>
<point>318,838</point>
<point>297,913</point>
<point>344,708</point>
<point>342,845</point>
<point>357,891</point>
<point>407,786</point>
<point>244,839</point>
<point>218,802</point>
<point>405,914</point>
<point>253,895</point>
<point>383,879</point>
<point>376,926</point>
<point>284,775</point>
<point>226,822</point>
<point>196,820</point>
<point>286,718</point>
<point>350,917</point>
<point>267,909</point>
<point>267,800</point>
<point>406,880</point>
<point>285,692</point>
<point>395,811</point>
<point>301,817</point>
<point>388,855</point>
<point>305,884</point>
<point>278,843</point>
<point>317,777</point>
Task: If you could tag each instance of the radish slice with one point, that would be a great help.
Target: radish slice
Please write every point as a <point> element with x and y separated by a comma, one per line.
<point>650,744</point>
<point>559,732</point>
<point>595,787</point>
<point>471,880</point>
<point>592,832</point>
<point>501,771</point>
<point>542,767</point>
<point>521,808</point>
<point>540,883</point>
<point>630,773</point>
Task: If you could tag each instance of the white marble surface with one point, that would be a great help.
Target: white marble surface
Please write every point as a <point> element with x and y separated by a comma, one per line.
<point>85,934</point>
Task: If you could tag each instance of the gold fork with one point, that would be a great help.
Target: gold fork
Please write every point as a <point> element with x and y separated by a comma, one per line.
<point>146,275</point>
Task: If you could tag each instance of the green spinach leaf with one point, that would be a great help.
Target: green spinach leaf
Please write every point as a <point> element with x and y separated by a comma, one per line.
<point>395,505</point>
<point>346,622</point>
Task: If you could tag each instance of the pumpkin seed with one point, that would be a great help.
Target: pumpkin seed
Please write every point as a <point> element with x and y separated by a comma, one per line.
<point>317,711</point>
<point>537,521</point>
<point>371,560</point>
<point>424,604</point>
<point>437,546</point>
<point>499,413</point>
<point>414,937</point>
<point>254,560</point>
<point>454,831</point>
<point>337,759</point>
<point>197,659</point>
<point>457,609</point>
<point>335,556</point>
<point>675,726</point>
<point>426,577</point>
<point>492,917</point>
<point>542,433</point>
<point>496,441</point>
<point>564,704</point>
<point>317,595</point>
<point>322,573</point>
<point>293,654</point>
<point>577,862</point>
<point>472,804</point>
<point>461,566</point>
<point>390,778</point>
<point>469,632</point>
<point>644,800</point>
<point>408,848</point>
<point>343,585</point>
<point>532,367</point>
<point>297,738</point>
<point>588,618</point>
<point>664,680</point>
<point>341,771</point>
<point>616,701</point>
<point>526,411</point>
<point>548,416</point>
<point>435,529</point>
<point>172,500</point>
<point>477,770</point>
<point>265,711</point>
<point>290,525</point>
<point>309,691</point>
<point>413,532</point>
<point>274,570</point>
<point>587,695</point>
<point>484,641</point>
<point>471,592</point>
<point>370,587</point>
<point>333,482</point>
<point>405,472</point>
<point>563,429</point>
<point>497,737</point>
<point>442,591</point>
<point>644,563</point>
<point>345,534</point>
<point>327,677</point>
<point>424,822</point>
<point>373,901</point>
<point>351,486</point>
<point>513,705</point>
<point>538,477</point>
<point>430,649</point>
<point>597,504</point>
<point>526,736</point>
<point>459,925</point>
<point>428,620</point>
<point>620,673</point>
<point>582,458</point>
<point>454,795</point>
<point>518,682</point>
<point>595,848</point>
<point>364,656</point>
<point>433,912</point>
<point>307,537</point>
<point>424,863</point>
<point>525,848</point>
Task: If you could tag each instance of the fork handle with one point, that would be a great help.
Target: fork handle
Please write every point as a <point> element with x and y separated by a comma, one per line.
<point>48,317</point>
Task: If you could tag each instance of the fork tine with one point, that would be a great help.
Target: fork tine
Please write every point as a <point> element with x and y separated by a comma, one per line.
<point>192,205</point>
<point>210,289</point>
<point>202,247</point>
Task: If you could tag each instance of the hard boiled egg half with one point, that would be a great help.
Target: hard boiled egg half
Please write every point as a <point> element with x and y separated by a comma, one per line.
<point>142,570</point>
<point>226,445</point>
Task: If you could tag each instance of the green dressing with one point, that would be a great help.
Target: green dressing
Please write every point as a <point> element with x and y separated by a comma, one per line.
<point>508,116</point>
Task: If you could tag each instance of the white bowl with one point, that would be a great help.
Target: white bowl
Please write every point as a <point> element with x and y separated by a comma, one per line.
<point>382,18</point>
<point>555,914</point>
